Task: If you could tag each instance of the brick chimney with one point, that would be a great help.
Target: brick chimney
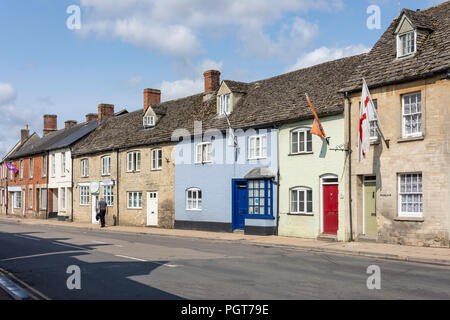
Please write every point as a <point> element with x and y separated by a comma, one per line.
<point>105,111</point>
<point>91,116</point>
<point>212,80</point>
<point>50,123</point>
<point>24,134</point>
<point>70,123</point>
<point>151,96</point>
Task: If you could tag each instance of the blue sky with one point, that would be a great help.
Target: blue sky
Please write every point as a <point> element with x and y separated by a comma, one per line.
<point>128,45</point>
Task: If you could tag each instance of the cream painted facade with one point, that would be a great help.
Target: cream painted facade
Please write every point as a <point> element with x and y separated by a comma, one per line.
<point>427,154</point>
<point>60,181</point>
<point>146,180</point>
<point>309,170</point>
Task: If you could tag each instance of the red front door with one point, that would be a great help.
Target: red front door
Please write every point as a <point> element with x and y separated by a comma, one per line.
<point>330,209</point>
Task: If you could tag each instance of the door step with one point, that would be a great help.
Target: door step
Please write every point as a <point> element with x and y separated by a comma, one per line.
<point>238,231</point>
<point>327,237</point>
<point>367,239</point>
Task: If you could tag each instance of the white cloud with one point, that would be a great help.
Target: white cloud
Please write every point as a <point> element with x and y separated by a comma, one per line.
<point>13,118</point>
<point>171,90</point>
<point>7,93</point>
<point>325,54</point>
<point>176,27</point>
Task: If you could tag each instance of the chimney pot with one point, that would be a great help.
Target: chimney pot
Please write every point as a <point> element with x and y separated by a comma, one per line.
<point>50,123</point>
<point>91,116</point>
<point>212,80</point>
<point>24,134</point>
<point>105,111</point>
<point>70,123</point>
<point>151,96</point>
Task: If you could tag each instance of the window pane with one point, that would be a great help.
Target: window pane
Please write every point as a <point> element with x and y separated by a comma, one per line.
<point>302,141</point>
<point>309,141</point>
<point>294,140</point>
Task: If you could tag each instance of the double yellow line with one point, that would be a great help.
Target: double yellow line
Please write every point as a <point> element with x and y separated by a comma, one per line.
<point>34,294</point>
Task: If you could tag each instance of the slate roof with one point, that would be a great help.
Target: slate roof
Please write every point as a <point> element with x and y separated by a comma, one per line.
<point>17,147</point>
<point>236,86</point>
<point>265,103</point>
<point>381,66</point>
<point>56,140</point>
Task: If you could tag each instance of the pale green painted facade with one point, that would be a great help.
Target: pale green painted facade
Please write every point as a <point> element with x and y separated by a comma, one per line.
<point>306,170</point>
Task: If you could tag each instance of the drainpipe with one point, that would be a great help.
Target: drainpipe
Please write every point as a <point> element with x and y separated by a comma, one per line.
<point>349,153</point>
<point>6,192</point>
<point>278,181</point>
<point>117,185</point>
<point>48,173</point>
<point>71,186</point>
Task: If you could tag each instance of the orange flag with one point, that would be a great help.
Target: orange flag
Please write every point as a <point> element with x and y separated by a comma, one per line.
<point>317,127</point>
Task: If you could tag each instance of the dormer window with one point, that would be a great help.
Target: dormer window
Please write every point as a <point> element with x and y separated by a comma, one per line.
<point>406,44</point>
<point>225,104</point>
<point>149,121</point>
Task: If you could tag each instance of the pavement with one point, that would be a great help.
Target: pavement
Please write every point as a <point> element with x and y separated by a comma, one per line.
<point>427,255</point>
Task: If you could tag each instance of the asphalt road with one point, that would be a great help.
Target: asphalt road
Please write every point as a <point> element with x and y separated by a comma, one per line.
<point>131,266</point>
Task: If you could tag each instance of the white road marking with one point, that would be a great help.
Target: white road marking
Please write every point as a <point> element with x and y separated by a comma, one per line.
<point>68,245</point>
<point>25,237</point>
<point>98,242</point>
<point>168,265</point>
<point>126,257</point>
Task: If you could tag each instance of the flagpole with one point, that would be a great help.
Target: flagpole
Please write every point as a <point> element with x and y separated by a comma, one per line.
<point>349,154</point>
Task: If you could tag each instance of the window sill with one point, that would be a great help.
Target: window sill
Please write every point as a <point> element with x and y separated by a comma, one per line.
<point>256,159</point>
<point>259,217</point>
<point>106,175</point>
<point>410,219</point>
<point>301,214</point>
<point>408,139</point>
<point>134,208</point>
<point>160,169</point>
<point>194,210</point>
<point>300,154</point>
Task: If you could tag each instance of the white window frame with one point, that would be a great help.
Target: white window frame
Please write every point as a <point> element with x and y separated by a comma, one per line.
<point>108,195</point>
<point>53,164</point>
<point>418,193</point>
<point>17,199</point>
<point>304,210</point>
<point>149,121</point>
<point>419,132</point>
<point>21,169</point>
<point>136,200</point>
<point>306,140</point>
<point>225,104</point>
<point>196,199</point>
<point>134,161</point>
<point>106,165</point>
<point>85,168</point>
<point>31,168</point>
<point>84,195</point>
<point>203,152</point>
<point>63,198</point>
<point>30,198</point>
<point>373,125</point>
<point>44,203</point>
<point>260,150</point>
<point>400,48</point>
<point>157,159</point>
<point>63,164</point>
<point>44,165</point>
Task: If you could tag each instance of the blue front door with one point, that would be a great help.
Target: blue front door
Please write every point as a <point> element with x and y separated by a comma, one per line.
<point>240,204</point>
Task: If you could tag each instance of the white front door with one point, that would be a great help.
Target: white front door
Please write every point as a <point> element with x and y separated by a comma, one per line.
<point>94,209</point>
<point>152,208</point>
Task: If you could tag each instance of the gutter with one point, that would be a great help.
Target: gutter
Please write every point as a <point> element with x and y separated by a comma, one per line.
<point>48,172</point>
<point>71,186</point>
<point>278,180</point>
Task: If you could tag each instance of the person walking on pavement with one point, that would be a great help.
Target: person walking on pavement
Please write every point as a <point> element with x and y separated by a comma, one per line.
<point>102,208</point>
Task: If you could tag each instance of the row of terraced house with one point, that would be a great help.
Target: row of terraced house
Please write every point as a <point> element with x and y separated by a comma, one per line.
<point>241,156</point>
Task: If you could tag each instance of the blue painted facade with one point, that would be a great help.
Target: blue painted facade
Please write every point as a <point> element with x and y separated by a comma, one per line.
<point>217,182</point>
